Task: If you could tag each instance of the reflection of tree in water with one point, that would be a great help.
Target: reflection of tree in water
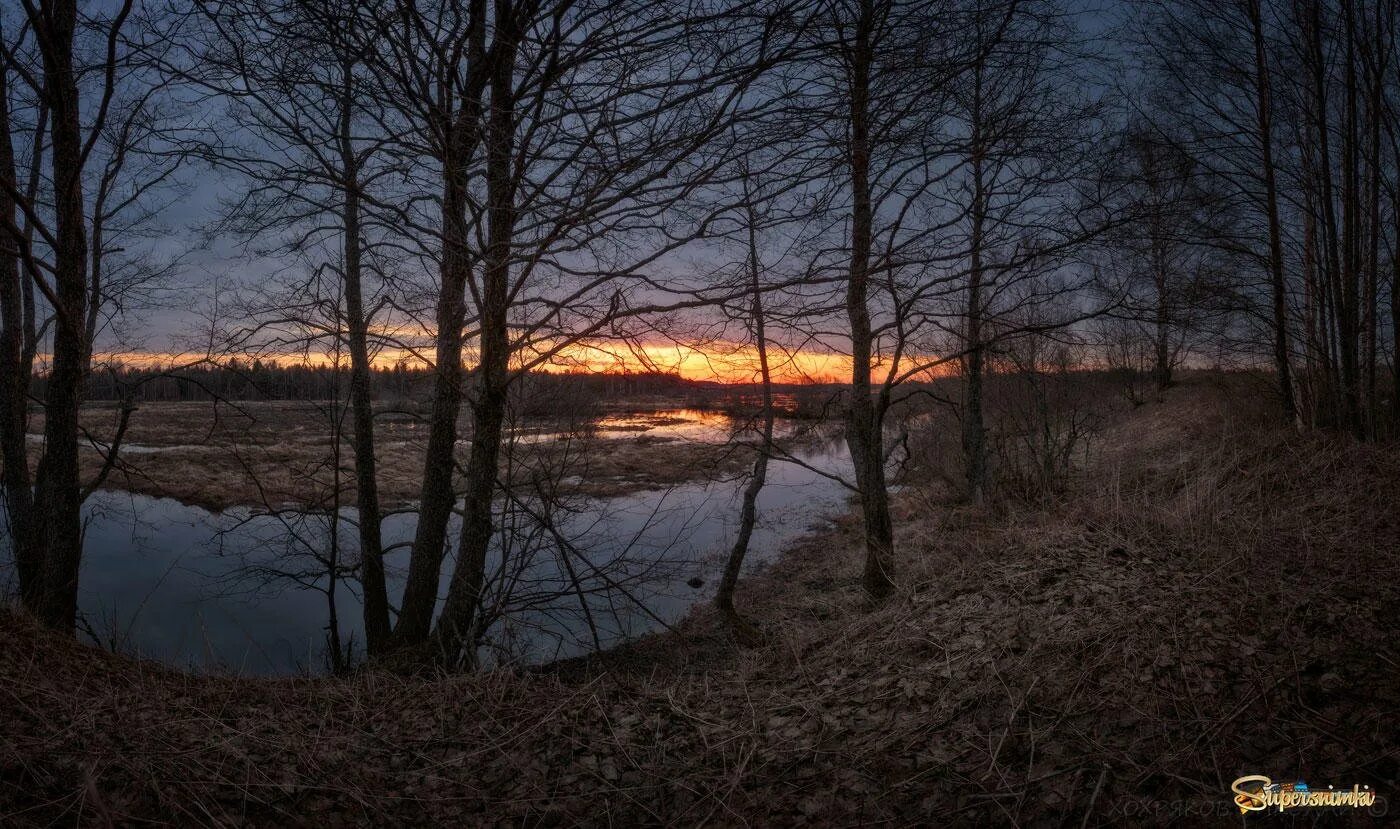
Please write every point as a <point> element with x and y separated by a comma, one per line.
<point>104,618</point>
<point>565,574</point>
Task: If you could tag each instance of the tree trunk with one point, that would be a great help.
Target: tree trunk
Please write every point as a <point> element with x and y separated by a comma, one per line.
<point>1310,390</point>
<point>1279,287</point>
<point>1331,291</point>
<point>337,654</point>
<point>1374,105</point>
<point>1161,345</point>
<point>58,491</point>
<point>455,122</point>
<point>748,513</point>
<point>1395,317</point>
<point>14,374</point>
<point>456,630</point>
<point>974,431</point>
<point>376,600</point>
<point>376,608</point>
<point>1349,321</point>
<point>864,435</point>
<point>436,498</point>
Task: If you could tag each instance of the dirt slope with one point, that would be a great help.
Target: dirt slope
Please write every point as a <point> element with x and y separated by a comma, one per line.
<point>1213,598</point>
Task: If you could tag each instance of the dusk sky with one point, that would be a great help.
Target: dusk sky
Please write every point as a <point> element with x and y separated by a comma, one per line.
<point>213,268</point>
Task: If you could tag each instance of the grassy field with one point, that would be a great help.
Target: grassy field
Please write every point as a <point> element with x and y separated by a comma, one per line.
<point>283,453</point>
<point>1210,596</point>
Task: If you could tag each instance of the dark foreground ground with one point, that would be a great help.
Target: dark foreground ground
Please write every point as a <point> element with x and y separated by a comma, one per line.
<point>1213,597</point>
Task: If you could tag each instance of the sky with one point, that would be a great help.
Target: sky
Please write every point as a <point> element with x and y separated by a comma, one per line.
<point>211,268</point>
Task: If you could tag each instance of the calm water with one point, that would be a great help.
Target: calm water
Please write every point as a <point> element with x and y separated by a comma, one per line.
<point>177,583</point>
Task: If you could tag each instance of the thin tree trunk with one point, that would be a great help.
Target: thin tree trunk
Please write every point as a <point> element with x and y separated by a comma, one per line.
<point>863,428</point>
<point>1371,299</point>
<point>14,374</point>
<point>1395,324</point>
<point>1279,287</point>
<point>36,170</point>
<point>376,600</point>
<point>1395,309</point>
<point>1349,319</point>
<point>333,556</point>
<point>1162,356</point>
<point>974,437</point>
<point>1376,69</point>
<point>1310,389</point>
<point>748,513</point>
<point>1331,291</point>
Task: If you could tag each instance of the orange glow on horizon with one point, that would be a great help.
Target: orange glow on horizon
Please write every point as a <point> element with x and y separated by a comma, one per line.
<point>717,362</point>
<point>735,363</point>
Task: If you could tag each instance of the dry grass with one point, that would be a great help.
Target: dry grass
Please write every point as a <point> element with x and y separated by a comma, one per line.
<point>1213,597</point>
<point>219,456</point>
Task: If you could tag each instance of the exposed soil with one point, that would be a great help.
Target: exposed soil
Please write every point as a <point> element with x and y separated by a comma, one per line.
<point>1212,597</point>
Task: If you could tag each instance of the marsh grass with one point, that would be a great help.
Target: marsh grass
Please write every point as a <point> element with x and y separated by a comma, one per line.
<point>220,456</point>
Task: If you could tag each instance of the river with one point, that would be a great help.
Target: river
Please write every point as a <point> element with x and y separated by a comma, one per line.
<point>243,592</point>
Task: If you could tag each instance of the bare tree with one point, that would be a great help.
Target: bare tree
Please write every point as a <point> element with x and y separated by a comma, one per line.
<point>757,327</point>
<point>18,343</point>
<point>563,174</point>
<point>93,113</point>
<point>953,172</point>
<point>308,139</point>
<point>1283,106</point>
<point>881,70</point>
<point>1024,197</point>
<point>1159,265</point>
<point>543,207</point>
<point>1218,61</point>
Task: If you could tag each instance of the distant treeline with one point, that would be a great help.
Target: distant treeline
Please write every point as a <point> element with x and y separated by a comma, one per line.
<point>272,380</point>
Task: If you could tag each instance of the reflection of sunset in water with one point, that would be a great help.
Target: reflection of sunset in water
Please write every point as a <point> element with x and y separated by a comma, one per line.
<point>668,424</point>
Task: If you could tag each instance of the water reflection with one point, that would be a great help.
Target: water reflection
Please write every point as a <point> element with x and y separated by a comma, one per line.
<point>244,592</point>
<point>672,424</point>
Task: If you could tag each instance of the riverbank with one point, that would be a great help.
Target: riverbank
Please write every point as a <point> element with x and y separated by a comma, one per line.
<point>1212,597</point>
<point>277,454</point>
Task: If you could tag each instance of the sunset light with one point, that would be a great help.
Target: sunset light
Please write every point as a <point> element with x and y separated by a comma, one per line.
<point>713,362</point>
